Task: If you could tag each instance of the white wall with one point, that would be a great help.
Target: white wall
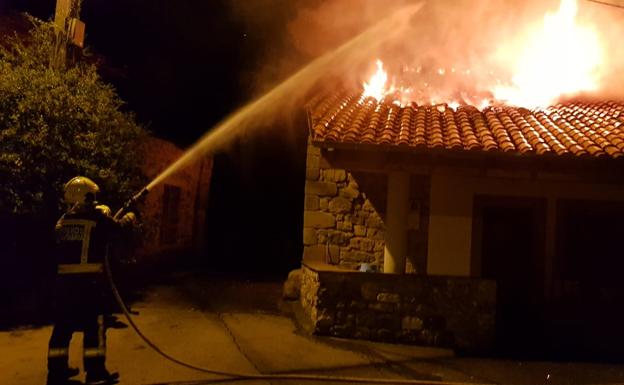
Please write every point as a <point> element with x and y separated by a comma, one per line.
<point>452,195</point>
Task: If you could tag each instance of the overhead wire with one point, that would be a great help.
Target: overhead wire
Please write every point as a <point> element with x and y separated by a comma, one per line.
<point>621,6</point>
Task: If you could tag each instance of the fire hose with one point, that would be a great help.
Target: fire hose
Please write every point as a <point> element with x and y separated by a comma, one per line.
<point>233,376</point>
<point>135,198</point>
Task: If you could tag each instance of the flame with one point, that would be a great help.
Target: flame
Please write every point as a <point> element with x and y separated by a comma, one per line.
<point>376,86</point>
<point>454,104</point>
<point>402,95</point>
<point>553,58</point>
<point>560,58</point>
<point>483,104</point>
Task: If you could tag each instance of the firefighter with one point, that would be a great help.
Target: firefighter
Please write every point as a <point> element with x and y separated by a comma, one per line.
<point>84,235</point>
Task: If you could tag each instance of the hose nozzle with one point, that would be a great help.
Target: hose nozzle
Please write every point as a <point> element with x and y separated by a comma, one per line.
<point>138,196</point>
<point>135,198</point>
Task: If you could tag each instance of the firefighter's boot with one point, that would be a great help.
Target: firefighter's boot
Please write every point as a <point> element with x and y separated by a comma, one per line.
<point>101,377</point>
<point>58,377</point>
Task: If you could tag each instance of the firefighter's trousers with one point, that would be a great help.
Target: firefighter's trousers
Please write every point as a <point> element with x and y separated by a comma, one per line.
<point>79,308</point>
<point>94,342</point>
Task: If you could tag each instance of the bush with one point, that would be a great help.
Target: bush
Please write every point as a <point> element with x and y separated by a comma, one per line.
<point>56,124</point>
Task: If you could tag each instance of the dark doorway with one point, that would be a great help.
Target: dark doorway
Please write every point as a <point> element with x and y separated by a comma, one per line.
<point>589,289</point>
<point>510,235</point>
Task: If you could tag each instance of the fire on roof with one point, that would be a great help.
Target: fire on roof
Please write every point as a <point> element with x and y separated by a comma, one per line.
<point>544,106</point>
<point>555,58</point>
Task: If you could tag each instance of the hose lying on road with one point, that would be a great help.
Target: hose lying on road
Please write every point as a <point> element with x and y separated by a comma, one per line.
<point>231,376</point>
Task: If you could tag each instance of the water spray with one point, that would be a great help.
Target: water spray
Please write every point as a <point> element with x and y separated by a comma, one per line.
<point>288,94</point>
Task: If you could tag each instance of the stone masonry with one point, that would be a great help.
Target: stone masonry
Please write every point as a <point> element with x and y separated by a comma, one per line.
<point>194,183</point>
<point>342,226</point>
<point>344,217</point>
<point>455,312</point>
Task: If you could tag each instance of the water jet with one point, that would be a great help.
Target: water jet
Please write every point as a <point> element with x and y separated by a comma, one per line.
<point>293,90</point>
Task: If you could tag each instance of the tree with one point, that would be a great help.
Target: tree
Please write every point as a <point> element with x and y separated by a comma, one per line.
<point>58,123</point>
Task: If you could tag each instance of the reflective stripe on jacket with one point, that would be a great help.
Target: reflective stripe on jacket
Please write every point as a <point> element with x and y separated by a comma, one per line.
<point>83,238</point>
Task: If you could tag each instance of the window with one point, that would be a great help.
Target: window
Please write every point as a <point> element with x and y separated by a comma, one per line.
<point>170,223</point>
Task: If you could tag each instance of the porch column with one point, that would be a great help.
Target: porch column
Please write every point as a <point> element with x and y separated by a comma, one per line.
<point>550,244</point>
<point>397,210</point>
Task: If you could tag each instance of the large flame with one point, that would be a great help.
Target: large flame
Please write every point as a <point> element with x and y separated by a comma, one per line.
<point>376,86</point>
<point>560,58</point>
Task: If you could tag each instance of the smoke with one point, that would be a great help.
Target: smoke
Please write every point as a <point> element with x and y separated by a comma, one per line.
<point>291,33</point>
<point>452,49</point>
<point>610,25</point>
<point>280,102</point>
<point>319,27</point>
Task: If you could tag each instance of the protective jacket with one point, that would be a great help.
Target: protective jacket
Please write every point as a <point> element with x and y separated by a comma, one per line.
<point>83,238</point>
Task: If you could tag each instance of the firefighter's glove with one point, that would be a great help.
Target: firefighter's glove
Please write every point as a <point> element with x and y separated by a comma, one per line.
<point>104,210</point>
<point>128,220</point>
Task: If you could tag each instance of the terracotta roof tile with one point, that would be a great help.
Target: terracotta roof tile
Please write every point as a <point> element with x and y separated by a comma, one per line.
<point>573,129</point>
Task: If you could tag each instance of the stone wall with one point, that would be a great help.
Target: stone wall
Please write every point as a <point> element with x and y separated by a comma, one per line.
<point>344,214</point>
<point>440,311</point>
<point>194,184</point>
<point>343,223</point>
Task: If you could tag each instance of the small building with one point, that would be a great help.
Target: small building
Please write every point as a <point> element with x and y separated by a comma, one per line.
<point>174,212</point>
<point>476,229</point>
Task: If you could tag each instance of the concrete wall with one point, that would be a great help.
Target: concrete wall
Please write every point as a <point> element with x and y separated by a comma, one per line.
<point>194,183</point>
<point>452,199</point>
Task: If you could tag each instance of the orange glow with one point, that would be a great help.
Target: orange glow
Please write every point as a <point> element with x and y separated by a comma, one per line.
<point>558,58</point>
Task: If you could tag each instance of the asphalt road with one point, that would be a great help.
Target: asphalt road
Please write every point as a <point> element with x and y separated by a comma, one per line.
<point>238,326</point>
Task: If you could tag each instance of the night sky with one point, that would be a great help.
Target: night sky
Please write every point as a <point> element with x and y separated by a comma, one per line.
<point>182,66</point>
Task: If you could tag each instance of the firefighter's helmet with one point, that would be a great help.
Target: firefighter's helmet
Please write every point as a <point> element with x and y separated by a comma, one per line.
<point>80,190</point>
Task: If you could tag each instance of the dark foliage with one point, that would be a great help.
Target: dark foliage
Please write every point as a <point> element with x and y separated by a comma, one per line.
<point>58,123</point>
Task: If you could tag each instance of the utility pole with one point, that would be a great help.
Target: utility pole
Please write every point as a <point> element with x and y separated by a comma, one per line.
<point>69,33</point>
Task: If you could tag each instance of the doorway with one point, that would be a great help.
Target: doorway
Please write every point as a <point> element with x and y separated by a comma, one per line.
<point>590,291</point>
<point>509,241</point>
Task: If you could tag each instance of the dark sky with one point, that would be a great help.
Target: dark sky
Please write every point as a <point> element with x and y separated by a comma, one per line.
<point>183,65</point>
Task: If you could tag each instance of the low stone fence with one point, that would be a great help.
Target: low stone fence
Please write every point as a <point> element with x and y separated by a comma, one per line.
<point>439,311</point>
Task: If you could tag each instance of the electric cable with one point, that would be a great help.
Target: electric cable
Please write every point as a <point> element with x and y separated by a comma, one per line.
<point>607,4</point>
<point>233,376</point>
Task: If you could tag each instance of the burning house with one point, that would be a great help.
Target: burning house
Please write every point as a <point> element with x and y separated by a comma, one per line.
<point>467,224</point>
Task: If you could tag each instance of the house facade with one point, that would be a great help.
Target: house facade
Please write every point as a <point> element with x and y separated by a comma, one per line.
<point>173,215</point>
<point>493,228</point>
